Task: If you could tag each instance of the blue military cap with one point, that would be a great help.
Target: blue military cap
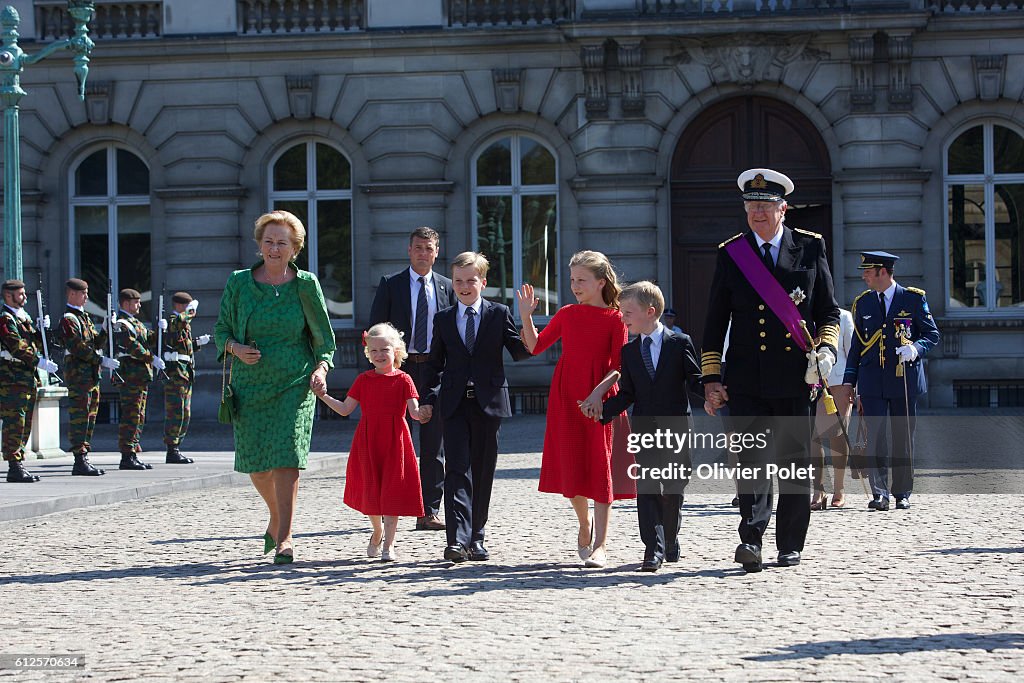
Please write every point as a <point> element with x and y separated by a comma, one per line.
<point>877,259</point>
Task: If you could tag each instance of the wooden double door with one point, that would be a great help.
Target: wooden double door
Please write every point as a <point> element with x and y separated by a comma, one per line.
<point>726,139</point>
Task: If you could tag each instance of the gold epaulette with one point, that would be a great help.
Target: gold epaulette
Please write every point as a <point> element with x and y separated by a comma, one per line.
<point>829,334</point>
<point>915,290</point>
<point>711,363</point>
<point>807,232</point>
<point>730,240</point>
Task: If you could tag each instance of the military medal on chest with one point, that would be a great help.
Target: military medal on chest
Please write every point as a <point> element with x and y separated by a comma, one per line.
<point>798,296</point>
<point>902,329</point>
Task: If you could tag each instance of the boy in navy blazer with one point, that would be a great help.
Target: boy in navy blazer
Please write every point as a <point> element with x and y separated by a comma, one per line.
<point>470,393</point>
<point>658,366</point>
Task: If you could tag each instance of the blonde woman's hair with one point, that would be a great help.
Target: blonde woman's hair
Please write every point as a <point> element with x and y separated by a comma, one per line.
<point>289,220</point>
<point>388,333</point>
<point>472,259</point>
<point>598,264</point>
<point>645,293</point>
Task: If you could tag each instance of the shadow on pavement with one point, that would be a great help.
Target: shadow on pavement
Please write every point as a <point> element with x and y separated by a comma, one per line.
<point>880,646</point>
<point>975,551</point>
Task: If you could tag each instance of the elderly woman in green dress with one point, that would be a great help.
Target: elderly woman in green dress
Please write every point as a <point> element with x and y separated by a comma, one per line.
<point>273,320</point>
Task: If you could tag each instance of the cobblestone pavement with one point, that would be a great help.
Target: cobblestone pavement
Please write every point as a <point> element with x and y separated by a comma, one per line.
<point>174,588</point>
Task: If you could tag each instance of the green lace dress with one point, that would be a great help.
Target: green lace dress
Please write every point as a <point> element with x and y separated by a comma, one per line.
<point>290,327</point>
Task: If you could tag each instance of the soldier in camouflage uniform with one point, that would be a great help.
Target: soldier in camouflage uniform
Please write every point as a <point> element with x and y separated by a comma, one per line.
<point>136,342</point>
<point>20,357</point>
<point>179,354</point>
<point>83,349</point>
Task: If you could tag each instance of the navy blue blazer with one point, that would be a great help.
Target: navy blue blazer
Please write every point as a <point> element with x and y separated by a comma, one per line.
<point>393,301</point>
<point>453,366</point>
<point>871,364</point>
<point>666,394</point>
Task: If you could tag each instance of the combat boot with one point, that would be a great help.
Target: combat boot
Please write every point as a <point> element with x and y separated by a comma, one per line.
<point>84,468</point>
<point>17,474</point>
<point>174,457</point>
<point>129,461</point>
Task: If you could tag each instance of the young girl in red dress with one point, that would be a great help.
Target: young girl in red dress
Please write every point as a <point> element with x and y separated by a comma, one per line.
<point>382,479</point>
<point>577,459</point>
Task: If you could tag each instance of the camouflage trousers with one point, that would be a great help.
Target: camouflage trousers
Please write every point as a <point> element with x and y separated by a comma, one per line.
<point>177,411</point>
<point>83,405</point>
<point>133,417</point>
<point>16,406</point>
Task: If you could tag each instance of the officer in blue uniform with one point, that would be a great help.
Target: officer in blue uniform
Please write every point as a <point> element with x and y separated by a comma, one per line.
<point>894,330</point>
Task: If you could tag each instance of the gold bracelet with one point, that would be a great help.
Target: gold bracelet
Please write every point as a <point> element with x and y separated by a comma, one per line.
<point>231,347</point>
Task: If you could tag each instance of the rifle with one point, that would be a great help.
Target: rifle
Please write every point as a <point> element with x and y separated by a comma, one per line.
<point>160,330</point>
<point>111,320</point>
<point>39,323</point>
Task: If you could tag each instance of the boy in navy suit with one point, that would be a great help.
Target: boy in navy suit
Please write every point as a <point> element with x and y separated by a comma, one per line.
<point>472,397</point>
<point>657,367</point>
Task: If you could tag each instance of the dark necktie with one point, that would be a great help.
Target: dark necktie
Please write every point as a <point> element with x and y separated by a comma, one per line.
<point>881,303</point>
<point>419,337</point>
<point>645,353</point>
<point>470,329</point>
<point>767,258</point>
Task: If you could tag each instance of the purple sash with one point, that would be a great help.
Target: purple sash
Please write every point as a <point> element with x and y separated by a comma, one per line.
<point>765,284</point>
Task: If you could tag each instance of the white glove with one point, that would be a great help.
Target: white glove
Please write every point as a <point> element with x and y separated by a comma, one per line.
<point>823,360</point>
<point>171,356</point>
<point>46,365</point>
<point>162,324</point>
<point>192,305</point>
<point>105,326</point>
<point>203,339</point>
<point>907,353</point>
<point>109,363</point>
<point>158,363</point>
<point>46,322</point>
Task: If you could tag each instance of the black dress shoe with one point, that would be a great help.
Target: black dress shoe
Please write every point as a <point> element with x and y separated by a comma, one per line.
<point>903,504</point>
<point>84,468</point>
<point>478,552</point>
<point>456,553</point>
<point>672,555</point>
<point>789,559</point>
<point>879,504</point>
<point>652,564</point>
<point>735,501</point>
<point>130,462</point>
<point>17,474</point>
<point>749,555</point>
<point>174,457</point>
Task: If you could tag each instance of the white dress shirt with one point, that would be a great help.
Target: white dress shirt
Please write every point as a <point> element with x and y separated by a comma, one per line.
<point>889,293</point>
<point>776,243</point>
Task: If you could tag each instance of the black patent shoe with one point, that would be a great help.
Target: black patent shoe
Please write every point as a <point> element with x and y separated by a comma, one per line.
<point>130,462</point>
<point>17,474</point>
<point>84,468</point>
<point>749,556</point>
<point>174,457</point>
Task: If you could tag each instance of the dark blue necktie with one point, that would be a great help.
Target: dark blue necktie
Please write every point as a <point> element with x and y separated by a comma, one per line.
<point>470,329</point>
<point>881,302</point>
<point>768,262</point>
<point>419,337</point>
<point>645,353</point>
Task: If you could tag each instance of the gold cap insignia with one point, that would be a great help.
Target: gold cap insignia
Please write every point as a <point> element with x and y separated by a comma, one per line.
<point>759,183</point>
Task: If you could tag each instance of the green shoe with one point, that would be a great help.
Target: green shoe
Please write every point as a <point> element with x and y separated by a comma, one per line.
<point>268,543</point>
<point>282,558</point>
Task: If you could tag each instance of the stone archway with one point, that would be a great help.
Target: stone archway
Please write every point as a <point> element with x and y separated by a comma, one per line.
<point>726,138</point>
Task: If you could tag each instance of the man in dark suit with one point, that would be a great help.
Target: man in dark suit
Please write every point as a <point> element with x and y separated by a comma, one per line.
<point>893,331</point>
<point>471,396</point>
<point>409,300</point>
<point>658,366</point>
<point>769,279</point>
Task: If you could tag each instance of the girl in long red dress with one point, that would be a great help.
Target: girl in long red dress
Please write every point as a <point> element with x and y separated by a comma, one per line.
<point>382,479</point>
<point>577,459</point>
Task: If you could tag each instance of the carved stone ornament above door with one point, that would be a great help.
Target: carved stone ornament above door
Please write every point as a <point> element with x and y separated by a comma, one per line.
<point>745,58</point>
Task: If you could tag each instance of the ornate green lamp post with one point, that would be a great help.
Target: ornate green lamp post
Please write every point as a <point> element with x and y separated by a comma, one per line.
<point>12,61</point>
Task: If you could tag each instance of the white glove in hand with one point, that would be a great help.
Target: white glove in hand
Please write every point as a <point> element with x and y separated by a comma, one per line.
<point>907,353</point>
<point>824,361</point>
<point>110,363</point>
<point>192,305</point>
<point>162,324</point>
<point>203,339</point>
<point>46,322</point>
<point>159,363</point>
<point>171,356</point>
<point>46,365</point>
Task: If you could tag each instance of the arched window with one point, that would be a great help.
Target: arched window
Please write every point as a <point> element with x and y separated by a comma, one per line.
<point>984,177</point>
<point>314,181</point>
<point>110,225</point>
<point>515,218</point>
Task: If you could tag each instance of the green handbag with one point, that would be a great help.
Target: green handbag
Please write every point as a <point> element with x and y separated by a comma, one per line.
<point>228,410</point>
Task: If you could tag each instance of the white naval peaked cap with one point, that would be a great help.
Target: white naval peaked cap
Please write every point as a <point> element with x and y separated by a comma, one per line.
<point>764,185</point>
